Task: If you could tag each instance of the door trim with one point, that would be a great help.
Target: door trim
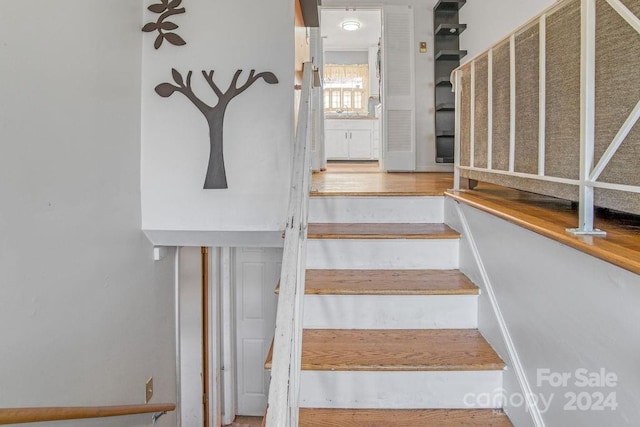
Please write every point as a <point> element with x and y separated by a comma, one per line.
<point>340,5</point>
<point>227,331</point>
<point>206,389</point>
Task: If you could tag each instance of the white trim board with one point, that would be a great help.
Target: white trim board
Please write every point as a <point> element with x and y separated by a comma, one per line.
<point>390,312</point>
<point>400,389</point>
<point>374,209</point>
<point>523,382</point>
<point>382,254</point>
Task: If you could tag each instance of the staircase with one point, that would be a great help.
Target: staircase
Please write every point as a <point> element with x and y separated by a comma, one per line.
<point>389,322</point>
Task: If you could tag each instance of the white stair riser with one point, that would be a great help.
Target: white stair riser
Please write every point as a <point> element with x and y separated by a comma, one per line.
<point>401,390</point>
<point>376,209</point>
<point>382,254</point>
<point>390,312</point>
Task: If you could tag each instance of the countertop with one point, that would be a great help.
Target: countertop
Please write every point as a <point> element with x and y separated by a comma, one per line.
<point>332,117</point>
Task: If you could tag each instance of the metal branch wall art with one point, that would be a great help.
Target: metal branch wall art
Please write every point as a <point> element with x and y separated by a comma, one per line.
<point>216,176</point>
<point>165,8</point>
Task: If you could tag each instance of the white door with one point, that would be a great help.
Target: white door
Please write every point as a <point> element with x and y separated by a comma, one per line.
<point>399,142</point>
<point>257,273</point>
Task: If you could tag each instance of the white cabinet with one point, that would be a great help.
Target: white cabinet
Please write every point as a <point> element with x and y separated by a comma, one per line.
<point>360,144</point>
<point>350,139</point>
<point>336,144</point>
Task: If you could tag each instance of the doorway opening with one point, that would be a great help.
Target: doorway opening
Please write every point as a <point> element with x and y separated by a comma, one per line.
<point>352,88</point>
<point>226,308</point>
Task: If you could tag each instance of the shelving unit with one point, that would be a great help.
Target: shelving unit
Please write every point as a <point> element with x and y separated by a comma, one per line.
<point>450,29</point>
<point>449,5</point>
<point>447,106</point>
<point>447,58</point>
<point>445,133</point>
<point>450,55</point>
<point>443,81</point>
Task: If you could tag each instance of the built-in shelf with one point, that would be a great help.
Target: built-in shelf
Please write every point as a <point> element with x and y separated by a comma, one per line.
<point>450,29</point>
<point>443,81</point>
<point>444,159</point>
<point>449,5</point>
<point>445,134</point>
<point>447,29</point>
<point>450,55</point>
<point>445,107</point>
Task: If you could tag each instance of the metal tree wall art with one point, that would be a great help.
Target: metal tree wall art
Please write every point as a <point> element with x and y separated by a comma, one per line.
<point>165,8</point>
<point>216,175</point>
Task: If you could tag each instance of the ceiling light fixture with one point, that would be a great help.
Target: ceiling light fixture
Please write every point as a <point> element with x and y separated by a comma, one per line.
<point>351,25</point>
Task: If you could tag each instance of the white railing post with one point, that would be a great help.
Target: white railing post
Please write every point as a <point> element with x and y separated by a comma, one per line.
<point>512,102</point>
<point>490,110</point>
<point>472,118</point>
<point>587,118</point>
<point>542,94</point>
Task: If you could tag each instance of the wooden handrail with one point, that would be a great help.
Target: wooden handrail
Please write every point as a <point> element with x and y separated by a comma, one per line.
<point>60,413</point>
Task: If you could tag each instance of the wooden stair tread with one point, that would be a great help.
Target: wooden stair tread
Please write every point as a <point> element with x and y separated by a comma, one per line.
<point>388,282</point>
<point>310,417</point>
<point>336,183</point>
<point>381,231</point>
<point>396,350</point>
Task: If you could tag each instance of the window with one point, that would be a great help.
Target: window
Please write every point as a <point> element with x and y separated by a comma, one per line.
<point>346,88</point>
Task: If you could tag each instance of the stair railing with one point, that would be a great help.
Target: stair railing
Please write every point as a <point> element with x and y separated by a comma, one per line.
<point>59,413</point>
<point>287,346</point>
<point>527,114</point>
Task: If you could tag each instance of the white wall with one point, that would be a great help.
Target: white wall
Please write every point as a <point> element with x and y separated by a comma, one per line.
<point>424,70</point>
<point>86,315</point>
<point>224,36</point>
<point>488,21</point>
<point>565,310</point>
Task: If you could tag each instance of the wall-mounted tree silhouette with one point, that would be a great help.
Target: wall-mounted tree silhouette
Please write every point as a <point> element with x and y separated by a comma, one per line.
<point>166,9</point>
<point>216,174</point>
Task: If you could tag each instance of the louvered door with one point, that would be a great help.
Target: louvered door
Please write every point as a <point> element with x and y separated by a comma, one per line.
<point>398,89</point>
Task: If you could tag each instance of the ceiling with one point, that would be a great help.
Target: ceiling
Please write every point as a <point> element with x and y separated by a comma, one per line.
<point>334,37</point>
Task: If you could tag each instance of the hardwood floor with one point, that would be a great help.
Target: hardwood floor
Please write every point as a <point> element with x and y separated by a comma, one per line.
<point>353,167</point>
<point>404,418</point>
<point>381,231</point>
<point>551,217</point>
<point>388,282</point>
<point>243,421</point>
